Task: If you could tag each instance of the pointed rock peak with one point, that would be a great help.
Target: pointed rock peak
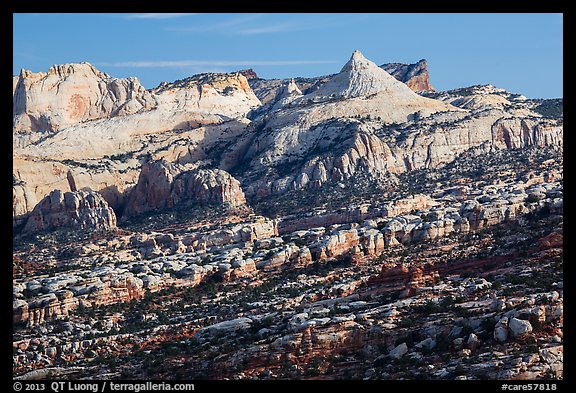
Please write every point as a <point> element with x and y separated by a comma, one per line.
<point>359,77</point>
<point>357,60</point>
<point>289,90</point>
<point>292,88</point>
<point>24,73</point>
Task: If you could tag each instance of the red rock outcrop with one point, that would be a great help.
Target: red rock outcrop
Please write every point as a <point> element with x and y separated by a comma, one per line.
<point>118,289</point>
<point>44,308</point>
<point>553,240</point>
<point>415,76</point>
<point>249,73</point>
<point>53,305</point>
<point>351,214</point>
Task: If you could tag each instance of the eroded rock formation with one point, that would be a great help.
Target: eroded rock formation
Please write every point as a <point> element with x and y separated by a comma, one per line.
<point>73,210</point>
<point>164,185</point>
<point>415,76</point>
<point>73,93</point>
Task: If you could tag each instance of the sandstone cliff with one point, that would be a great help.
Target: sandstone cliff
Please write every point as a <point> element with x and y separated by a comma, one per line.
<point>324,121</point>
<point>227,95</point>
<point>415,76</point>
<point>74,210</point>
<point>102,143</point>
<point>73,93</point>
<point>164,185</point>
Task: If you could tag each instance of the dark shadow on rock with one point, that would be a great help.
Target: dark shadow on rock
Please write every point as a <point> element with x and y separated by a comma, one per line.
<point>115,198</point>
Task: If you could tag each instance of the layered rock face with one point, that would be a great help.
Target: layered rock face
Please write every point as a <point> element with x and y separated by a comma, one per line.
<point>213,186</point>
<point>44,308</point>
<point>23,199</point>
<point>73,210</point>
<point>364,121</point>
<point>100,290</point>
<point>35,178</point>
<point>110,129</point>
<point>164,185</point>
<point>73,93</point>
<point>321,129</point>
<point>480,98</point>
<point>415,76</point>
<point>328,291</point>
<point>352,214</point>
<point>438,242</point>
<point>98,126</point>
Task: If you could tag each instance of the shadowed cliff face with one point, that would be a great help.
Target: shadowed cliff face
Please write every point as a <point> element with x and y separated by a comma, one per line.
<point>163,185</point>
<point>79,209</point>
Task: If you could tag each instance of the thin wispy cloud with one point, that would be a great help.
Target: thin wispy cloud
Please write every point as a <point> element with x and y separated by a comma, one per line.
<point>255,24</point>
<point>276,28</point>
<point>224,26</point>
<point>157,15</point>
<point>212,63</point>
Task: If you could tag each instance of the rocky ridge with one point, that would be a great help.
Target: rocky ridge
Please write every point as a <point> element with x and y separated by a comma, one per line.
<point>304,141</point>
<point>188,118</point>
<point>320,147</point>
<point>415,76</point>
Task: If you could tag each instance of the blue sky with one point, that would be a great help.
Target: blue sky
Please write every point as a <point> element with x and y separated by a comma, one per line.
<point>521,53</point>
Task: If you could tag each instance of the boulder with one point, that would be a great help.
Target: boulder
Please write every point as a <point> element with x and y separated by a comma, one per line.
<point>519,327</point>
<point>501,330</point>
<point>399,351</point>
<point>473,342</point>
